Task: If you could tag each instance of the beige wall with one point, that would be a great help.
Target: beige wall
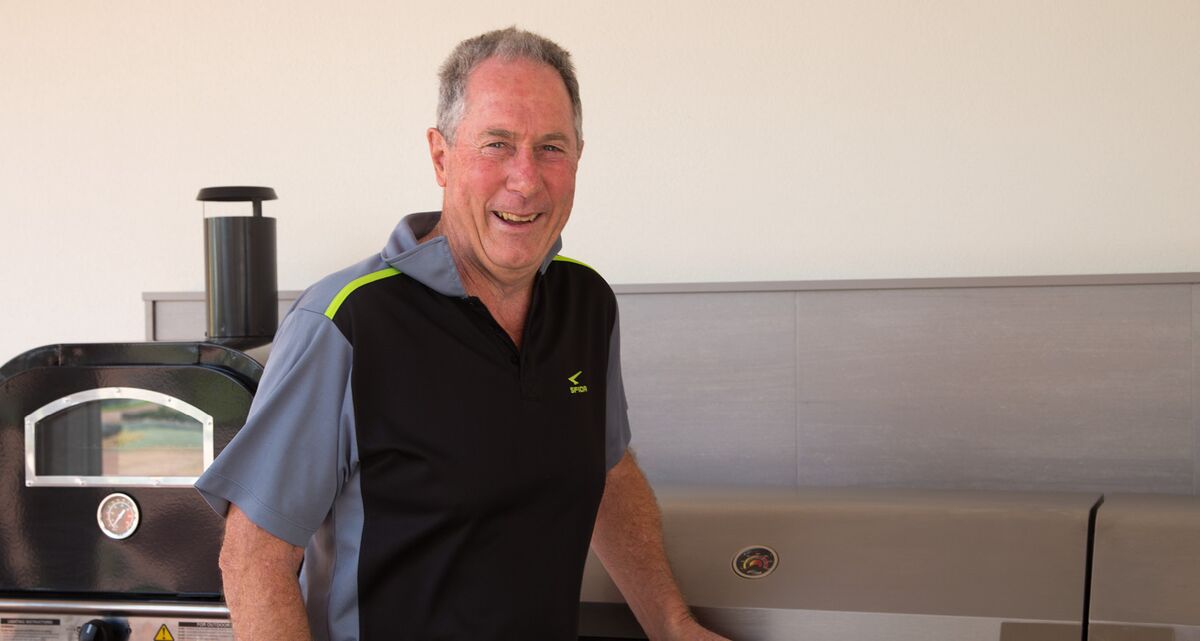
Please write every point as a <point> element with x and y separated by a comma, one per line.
<point>726,141</point>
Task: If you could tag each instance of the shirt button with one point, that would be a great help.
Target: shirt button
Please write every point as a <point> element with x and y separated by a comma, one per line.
<point>515,360</point>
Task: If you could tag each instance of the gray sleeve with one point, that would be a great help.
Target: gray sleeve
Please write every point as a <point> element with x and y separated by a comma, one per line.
<point>616,435</point>
<point>286,466</point>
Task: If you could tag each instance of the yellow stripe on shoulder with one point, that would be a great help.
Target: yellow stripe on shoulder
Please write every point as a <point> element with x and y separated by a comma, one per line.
<point>564,259</point>
<point>345,292</point>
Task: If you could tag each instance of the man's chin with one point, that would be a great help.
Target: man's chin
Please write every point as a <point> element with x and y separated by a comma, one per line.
<point>523,263</point>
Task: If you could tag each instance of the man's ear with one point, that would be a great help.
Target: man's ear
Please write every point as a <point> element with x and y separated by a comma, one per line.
<point>438,148</point>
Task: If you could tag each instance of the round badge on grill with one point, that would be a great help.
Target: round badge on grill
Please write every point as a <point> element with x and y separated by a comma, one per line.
<point>755,562</point>
<point>118,516</point>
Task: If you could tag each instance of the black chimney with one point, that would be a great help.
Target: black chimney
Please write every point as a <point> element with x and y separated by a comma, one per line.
<point>240,285</point>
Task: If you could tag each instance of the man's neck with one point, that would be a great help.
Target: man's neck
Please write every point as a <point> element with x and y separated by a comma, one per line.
<point>507,300</point>
<point>506,296</point>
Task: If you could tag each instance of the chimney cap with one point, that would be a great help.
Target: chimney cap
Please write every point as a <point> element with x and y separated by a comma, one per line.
<point>236,194</point>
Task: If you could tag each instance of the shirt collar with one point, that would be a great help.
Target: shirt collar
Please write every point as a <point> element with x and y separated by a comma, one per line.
<point>431,263</point>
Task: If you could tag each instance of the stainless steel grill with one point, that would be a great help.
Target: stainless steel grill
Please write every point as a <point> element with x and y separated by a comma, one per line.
<point>924,565</point>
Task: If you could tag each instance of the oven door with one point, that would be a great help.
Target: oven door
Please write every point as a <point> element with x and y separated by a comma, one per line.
<point>99,447</point>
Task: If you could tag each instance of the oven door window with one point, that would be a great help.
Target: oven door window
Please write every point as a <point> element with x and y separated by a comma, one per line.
<point>117,436</point>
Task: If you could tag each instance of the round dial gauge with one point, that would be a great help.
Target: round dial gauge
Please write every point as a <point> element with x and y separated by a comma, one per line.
<point>118,516</point>
<point>755,562</point>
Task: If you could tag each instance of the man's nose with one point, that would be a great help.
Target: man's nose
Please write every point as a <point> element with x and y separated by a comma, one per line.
<point>524,175</point>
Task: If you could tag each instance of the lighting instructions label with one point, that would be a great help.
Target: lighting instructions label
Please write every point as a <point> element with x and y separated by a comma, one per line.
<point>30,629</point>
<point>204,631</point>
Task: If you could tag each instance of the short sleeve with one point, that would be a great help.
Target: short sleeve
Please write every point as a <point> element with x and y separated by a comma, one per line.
<point>616,429</point>
<point>286,466</point>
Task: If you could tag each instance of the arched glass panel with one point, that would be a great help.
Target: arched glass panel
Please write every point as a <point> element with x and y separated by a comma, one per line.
<point>117,436</point>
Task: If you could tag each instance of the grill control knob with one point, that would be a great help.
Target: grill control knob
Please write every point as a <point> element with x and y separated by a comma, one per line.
<point>101,630</point>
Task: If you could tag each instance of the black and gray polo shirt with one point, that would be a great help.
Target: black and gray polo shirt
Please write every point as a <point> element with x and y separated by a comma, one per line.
<point>443,482</point>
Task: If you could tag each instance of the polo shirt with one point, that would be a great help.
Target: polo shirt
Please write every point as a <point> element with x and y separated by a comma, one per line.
<point>443,483</point>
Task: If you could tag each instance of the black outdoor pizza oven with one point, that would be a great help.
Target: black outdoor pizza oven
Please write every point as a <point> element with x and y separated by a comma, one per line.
<point>99,447</point>
<point>103,536</point>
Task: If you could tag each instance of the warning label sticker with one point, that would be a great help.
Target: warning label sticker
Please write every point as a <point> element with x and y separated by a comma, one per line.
<point>205,631</point>
<point>27,629</point>
<point>164,634</point>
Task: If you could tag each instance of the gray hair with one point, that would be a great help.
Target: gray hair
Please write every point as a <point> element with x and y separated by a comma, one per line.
<point>507,44</point>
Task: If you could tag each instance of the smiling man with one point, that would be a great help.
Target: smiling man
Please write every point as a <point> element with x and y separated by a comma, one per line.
<point>506,159</point>
<point>441,430</point>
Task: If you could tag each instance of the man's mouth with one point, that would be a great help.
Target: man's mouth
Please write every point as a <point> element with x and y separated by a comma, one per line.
<point>515,218</point>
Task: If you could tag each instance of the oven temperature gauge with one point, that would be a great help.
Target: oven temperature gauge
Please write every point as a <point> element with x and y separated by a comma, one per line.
<point>118,516</point>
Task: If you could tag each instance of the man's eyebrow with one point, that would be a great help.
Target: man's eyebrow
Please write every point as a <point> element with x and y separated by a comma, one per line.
<point>508,135</point>
<point>556,137</point>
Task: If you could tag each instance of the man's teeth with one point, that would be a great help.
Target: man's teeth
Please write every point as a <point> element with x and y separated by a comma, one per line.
<point>513,218</point>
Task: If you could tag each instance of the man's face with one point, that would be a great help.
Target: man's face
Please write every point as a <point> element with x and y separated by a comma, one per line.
<point>509,175</point>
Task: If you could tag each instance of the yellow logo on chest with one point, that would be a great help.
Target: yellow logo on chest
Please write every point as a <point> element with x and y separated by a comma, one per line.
<point>576,388</point>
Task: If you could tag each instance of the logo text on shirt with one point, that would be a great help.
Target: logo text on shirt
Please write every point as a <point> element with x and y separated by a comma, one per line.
<point>576,388</point>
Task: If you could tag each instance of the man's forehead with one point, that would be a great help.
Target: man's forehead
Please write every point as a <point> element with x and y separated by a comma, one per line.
<point>518,77</point>
<point>498,89</point>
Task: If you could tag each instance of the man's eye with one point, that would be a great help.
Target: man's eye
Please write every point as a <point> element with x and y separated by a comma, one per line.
<point>497,145</point>
<point>553,148</point>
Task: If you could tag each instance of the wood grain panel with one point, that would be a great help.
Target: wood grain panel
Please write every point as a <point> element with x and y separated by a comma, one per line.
<point>1196,389</point>
<point>1077,386</point>
<point>711,385</point>
<point>1056,388</point>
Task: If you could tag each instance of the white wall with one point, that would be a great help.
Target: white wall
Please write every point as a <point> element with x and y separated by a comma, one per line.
<point>725,140</point>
